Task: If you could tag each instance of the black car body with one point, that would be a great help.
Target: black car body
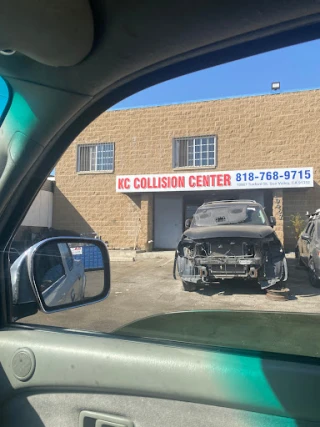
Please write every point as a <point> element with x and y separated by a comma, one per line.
<point>227,240</point>
<point>308,248</point>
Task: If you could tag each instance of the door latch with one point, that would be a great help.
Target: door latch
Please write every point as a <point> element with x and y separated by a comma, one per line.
<point>87,418</point>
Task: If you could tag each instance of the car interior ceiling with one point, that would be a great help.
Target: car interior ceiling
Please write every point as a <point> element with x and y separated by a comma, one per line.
<point>61,43</point>
<point>134,46</point>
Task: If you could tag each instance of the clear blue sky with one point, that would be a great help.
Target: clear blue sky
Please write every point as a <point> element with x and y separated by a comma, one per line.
<point>296,67</point>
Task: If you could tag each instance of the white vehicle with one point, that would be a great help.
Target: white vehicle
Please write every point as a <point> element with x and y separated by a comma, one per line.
<point>61,277</point>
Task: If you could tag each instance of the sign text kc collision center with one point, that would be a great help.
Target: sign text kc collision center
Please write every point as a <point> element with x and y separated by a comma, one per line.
<point>230,180</point>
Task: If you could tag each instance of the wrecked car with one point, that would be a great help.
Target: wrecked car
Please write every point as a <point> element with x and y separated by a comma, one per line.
<point>229,240</point>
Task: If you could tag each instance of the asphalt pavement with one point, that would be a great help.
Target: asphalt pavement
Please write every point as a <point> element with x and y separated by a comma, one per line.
<point>146,287</point>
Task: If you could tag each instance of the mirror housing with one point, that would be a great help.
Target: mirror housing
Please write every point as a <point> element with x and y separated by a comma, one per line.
<point>273,221</point>
<point>305,236</point>
<point>187,223</point>
<point>61,273</point>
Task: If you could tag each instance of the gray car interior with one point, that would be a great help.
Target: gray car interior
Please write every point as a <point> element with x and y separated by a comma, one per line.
<point>74,60</point>
<point>58,33</point>
<point>118,370</point>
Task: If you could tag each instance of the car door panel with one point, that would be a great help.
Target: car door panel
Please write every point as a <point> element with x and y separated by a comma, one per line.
<point>76,275</point>
<point>71,281</point>
<point>69,362</point>
<point>303,247</point>
<point>63,409</point>
<point>304,244</point>
<point>73,285</point>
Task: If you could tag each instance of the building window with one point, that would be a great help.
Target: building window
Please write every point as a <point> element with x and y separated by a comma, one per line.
<point>194,151</point>
<point>95,157</point>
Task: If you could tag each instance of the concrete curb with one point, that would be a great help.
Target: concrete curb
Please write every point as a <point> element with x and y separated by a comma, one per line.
<point>122,255</point>
<point>156,254</point>
<point>127,255</point>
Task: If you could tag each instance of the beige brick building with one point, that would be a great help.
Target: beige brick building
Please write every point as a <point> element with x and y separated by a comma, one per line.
<point>243,134</point>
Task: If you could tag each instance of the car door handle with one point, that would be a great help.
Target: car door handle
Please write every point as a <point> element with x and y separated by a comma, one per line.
<point>103,420</point>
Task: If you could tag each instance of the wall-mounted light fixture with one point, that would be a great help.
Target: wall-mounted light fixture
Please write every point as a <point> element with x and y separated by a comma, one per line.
<point>275,85</point>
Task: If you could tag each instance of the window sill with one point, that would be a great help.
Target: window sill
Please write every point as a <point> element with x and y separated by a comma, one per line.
<point>95,172</point>
<point>192,168</point>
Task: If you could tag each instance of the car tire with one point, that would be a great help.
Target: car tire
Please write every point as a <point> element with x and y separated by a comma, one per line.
<point>189,286</point>
<point>314,281</point>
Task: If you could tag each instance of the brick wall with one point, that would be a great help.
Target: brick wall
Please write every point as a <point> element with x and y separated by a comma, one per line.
<point>277,210</point>
<point>279,130</point>
<point>146,230</point>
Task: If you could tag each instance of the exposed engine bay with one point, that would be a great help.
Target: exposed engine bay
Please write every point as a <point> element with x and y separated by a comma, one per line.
<point>228,251</point>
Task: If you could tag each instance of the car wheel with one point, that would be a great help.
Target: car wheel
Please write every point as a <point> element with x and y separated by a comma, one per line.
<point>314,281</point>
<point>189,286</point>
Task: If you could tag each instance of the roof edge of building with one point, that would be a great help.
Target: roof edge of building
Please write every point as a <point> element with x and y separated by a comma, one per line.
<point>256,95</point>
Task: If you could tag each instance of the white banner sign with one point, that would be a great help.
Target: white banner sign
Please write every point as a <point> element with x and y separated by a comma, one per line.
<point>76,251</point>
<point>232,180</point>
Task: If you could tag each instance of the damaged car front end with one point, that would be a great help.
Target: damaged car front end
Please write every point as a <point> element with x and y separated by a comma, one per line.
<point>228,240</point>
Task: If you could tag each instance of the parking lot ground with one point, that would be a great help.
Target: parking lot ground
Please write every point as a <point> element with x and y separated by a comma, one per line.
<point>146,287</point>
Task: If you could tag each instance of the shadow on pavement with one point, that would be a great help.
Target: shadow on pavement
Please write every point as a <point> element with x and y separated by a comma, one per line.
<point>231,287</point>
<point>298,281</point>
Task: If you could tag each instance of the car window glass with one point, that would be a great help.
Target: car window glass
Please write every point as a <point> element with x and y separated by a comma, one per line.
<point>48,266</point>
<point>222,147</point>
<point>228,214</point>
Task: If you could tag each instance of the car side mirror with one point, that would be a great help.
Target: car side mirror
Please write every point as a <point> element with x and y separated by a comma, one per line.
<point>63,273</point>
<point>187,223</point>
<point>305,236</point>
<point>273,221</point>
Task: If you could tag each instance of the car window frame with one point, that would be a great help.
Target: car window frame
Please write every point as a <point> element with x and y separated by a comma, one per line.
<point>312,230</point>
<point>68,254</point>
<point>308,227</point>
<point>105,99</point>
